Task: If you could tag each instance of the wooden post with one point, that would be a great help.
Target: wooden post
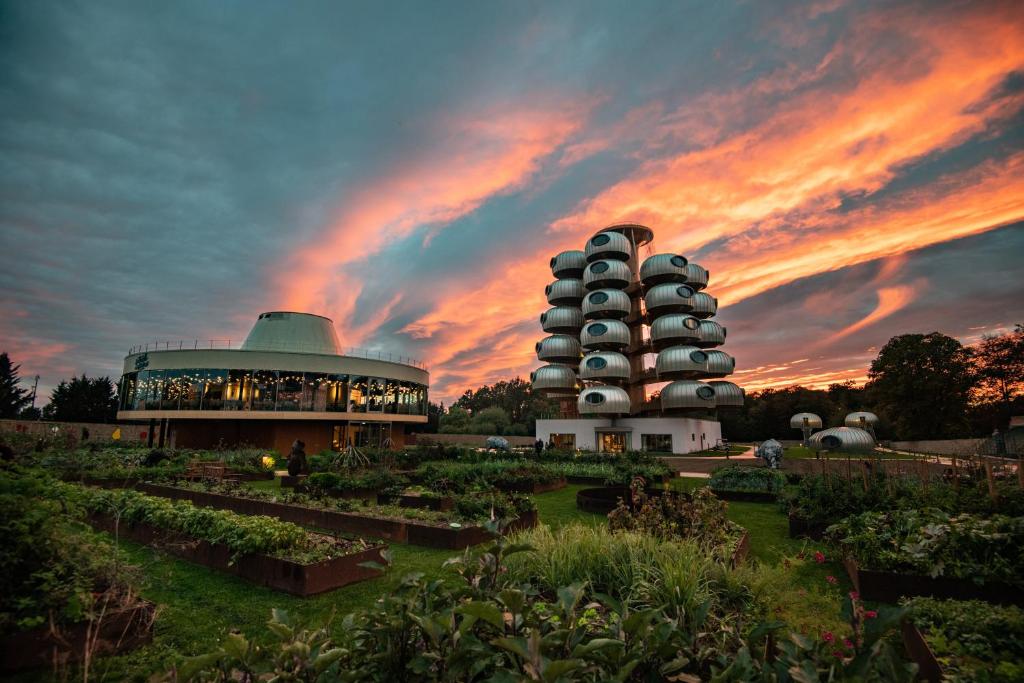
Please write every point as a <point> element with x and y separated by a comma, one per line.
<point>1020,473</point>
<point>991,482</point>
<point>864,474</point>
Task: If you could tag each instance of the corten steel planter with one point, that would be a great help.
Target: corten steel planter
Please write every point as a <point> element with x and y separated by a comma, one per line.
<point>889,587</point>
<point>741,551</point>
<point>119,632</point>
<point>604,499</point>
<point>799,528</point>
<point>745,496</point>
<point>600,481</point>
<point>928,667</point>
<point>398,531</point>
<point>533,487</point>
<point>283,575</point>
<point>351,494</point>
<point>412,500</point>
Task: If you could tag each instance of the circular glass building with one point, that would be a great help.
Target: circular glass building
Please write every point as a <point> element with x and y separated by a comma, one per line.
<point>290,379</point>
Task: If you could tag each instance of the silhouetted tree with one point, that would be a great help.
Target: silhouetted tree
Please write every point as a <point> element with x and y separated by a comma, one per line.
<point>515,397</point>
<point>999,368</point>
<point>83,399</point>
<point>920,384</point>
<point>13,397</point>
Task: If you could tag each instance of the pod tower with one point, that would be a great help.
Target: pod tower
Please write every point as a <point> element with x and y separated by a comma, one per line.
<point>632,351</point>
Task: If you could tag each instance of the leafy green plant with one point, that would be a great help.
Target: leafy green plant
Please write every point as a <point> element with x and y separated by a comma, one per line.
<point>973,640</point>
<point>934,543</point>
<point>747,479</point>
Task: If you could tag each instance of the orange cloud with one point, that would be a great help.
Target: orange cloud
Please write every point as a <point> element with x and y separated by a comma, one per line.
<point>478,157</point>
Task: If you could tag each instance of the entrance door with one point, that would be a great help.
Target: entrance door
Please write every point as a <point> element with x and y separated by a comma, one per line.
<point>612,442</point>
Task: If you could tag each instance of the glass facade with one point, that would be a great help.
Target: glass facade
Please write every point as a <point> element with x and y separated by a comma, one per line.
<point>657,442</point>
<point>270,390</point>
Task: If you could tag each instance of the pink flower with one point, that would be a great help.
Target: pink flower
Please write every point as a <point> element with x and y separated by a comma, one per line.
<point>819,557</point>
<point>854,595</point>
<point>837,654</point>
<point>831,579</point>
<point>870,614</point>
<point>827,636</point>
<point>847,643</point>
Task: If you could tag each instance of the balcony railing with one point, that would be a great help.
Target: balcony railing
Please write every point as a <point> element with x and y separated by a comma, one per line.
<point>291,347</point>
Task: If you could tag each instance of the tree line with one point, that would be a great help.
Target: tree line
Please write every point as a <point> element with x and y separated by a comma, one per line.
<point>921,386</point>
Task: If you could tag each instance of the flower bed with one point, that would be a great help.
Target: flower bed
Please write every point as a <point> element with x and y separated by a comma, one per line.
<point>298,578</point>
<point>432,530</point>
<point>508,475</point>
<point>818,501</point>
<point>929,552</point>
<point>965,640</point>
<point>749,484</point>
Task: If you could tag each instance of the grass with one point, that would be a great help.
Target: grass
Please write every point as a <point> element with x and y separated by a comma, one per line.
<point>734,449</point>
<point>198,606</point>
<point>804,453</point>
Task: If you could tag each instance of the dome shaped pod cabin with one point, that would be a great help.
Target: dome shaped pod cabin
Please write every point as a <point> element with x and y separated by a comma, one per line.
<point>727,394</point>
<point>697,276</point>
<point>842,440</point>
<point>861,419</point>
<point>562,320</point>
<point>559,348</point>
<point>608,245</point>
<point>704,305</point>
<point>554,379</point>
<point>568,264</point>
<point>606,303</point>
<point>662,268</point>
<point>603,400</point>
<point>607,274</point>
<point>674,329</point>
<point>668,298</point>
<point>709,334</point>
<point>605,366</point>
<point>568,292</point>
<point>605,335</point>
<point>681,362</point>
<point>720,363</point>
<point>687,395</point>
<point>800,420</point>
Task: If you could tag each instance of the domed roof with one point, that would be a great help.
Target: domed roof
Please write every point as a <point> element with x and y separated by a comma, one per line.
<point>607,366</point>
<point>861,418</point>
<point>607,274</point>
<point>727,394</point>
<point>663,268</point>
<point>568,264</point>
<point>549,379</point>
<point>603,400</point>
<point>842,440</point>
<point>608,245</point>
<point>797,421</point>
<point>611,335</point>
<point>673,329</point>
<point>687,395</point>
<point>669,298</point>
<point>293,333</point>
<point>562,320</point>
<point>606,303</point>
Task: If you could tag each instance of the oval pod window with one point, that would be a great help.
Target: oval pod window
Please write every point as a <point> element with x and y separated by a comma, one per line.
<point>684,291</point>
<point>598,298</point>
<point>601,240</point>
<point>706,393</point>
<point>599,267</point>
<point>678,261</point>
<point>596,363</point>
<point>594,398</point>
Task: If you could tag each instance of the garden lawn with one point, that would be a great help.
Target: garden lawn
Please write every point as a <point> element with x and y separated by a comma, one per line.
<point>199,605</point>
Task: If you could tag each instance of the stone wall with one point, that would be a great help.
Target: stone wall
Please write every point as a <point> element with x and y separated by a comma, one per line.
<point>471,440</point>
<point>941,447</point>
<point>97,431</point>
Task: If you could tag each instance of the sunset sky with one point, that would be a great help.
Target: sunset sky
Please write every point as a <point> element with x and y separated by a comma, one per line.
<point>847,171</point>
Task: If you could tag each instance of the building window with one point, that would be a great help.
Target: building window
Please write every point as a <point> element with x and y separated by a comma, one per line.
<point>375,404</point>
<point>563,441</point>
<point>678,261</point>
<point>316,390</point>
<point>599,267</point>
<point>594,398</point>
<point>357,395</point>
<point>264,390</point>
<point>213,390</point>
<point>596,363</point>
<point>598,298</point>
<point>684,291</point>
<point>661,443</point>
<point>289,393</point>
<point>601,240</point>
<point>597,329</point>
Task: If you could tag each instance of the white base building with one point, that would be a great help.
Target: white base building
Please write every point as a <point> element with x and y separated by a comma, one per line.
<point>678,435</point>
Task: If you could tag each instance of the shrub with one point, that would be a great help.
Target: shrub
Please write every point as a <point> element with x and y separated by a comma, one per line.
<point>327,483</point>
<point>752,479</point>
<point>973,640</point>
<point>934,543</point>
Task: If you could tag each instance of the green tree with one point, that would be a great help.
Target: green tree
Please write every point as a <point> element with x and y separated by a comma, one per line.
<point>455,421</point>
<point>514,396</point>
<point>999,366</point>
<point>920,385</point>
<point>490,421</point>
<point>83,399</point>
<point>13,397</point>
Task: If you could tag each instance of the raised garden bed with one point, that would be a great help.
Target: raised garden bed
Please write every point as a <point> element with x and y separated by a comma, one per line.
<point>119,632</point>
<point>741,551</point>
<point>251,476</point>
<point>439,503</point>
<point>600,481</point>
<point>800,528</point>
<point>351,494</point>
<point>918,650</point>
<point>746,496</point>
<point>397,530</point>
<point>885,586</point>
<point>604,499</point>
<point>288,481</point>
<point>280,574</point>
<point>533,487</point>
